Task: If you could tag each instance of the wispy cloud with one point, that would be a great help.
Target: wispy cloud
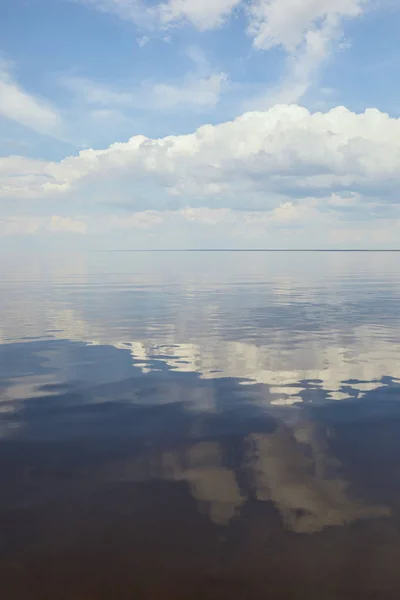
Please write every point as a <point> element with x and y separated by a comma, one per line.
<point>192,91</point>
<point>25,108</point>
<point>31,225</point>
<point>287,23</point>
<point>306,31</point>
<point>199,88</point>
<point>204,14</point>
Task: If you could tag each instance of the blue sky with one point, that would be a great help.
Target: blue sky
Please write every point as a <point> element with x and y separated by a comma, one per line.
<point>223,123</point>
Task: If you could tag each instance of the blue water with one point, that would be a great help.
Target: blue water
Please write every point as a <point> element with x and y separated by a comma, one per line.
<point>200,425</point>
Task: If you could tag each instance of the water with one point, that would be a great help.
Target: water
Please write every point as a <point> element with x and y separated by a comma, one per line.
<point>200,425</point>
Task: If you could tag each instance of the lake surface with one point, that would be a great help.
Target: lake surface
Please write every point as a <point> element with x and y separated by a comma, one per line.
<point>200,425</point>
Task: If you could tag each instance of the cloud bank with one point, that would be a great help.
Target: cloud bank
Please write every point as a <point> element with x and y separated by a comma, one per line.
<point>260,156</point>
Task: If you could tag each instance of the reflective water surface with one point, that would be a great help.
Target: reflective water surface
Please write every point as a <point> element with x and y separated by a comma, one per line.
<point>200,425</point>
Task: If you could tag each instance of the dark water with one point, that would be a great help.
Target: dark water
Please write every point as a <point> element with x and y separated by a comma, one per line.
<point>200,426</point>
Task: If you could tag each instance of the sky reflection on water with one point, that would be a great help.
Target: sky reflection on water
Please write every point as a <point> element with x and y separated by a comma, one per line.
<point>248,390</point>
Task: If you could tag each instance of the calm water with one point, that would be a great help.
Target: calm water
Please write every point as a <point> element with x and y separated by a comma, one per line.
<point>200,426</point>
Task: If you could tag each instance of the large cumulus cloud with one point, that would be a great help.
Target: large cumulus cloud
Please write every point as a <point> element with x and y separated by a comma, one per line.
<point>260,159</point>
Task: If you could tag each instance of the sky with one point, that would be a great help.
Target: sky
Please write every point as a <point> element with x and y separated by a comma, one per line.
<point>130,124</point>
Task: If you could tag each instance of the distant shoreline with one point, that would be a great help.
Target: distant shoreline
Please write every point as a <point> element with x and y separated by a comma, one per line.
<point>254,250</point>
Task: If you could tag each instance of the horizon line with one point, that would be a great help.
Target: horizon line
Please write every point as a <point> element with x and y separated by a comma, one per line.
<point>255,250</point>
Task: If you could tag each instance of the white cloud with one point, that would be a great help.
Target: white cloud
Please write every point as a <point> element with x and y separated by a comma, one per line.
<point>29,225</point>
<point>19,225</point>
<point>22,177</point>
<point>143,41</point>
<point>204,14</point>
<point>301,67</point>
<point>272,22</point>
<point>94,93</point>
<point>287,23</point>
<point>200,92</point>
<point>304,225</point>
<point>67,224</point>
<point>142,220</point>
<point>305,29</point>
<point>201,87</point>
<point>285,160</point>
<point>190,226</point>
<point>24,108</point>
<point>288,212</point>
<point>131,10</point>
